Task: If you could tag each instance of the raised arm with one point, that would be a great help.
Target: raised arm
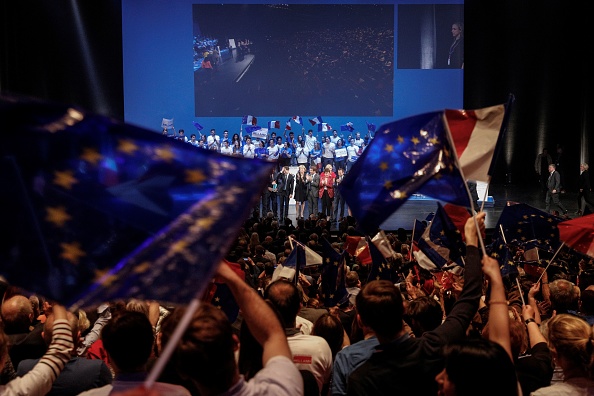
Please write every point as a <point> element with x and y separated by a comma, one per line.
<point>498,311</point>
<point>260,318</point>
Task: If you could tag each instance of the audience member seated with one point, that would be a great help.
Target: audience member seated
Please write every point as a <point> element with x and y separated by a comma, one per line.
<point>40,379</point>
<point>25,340</point>
<point>80,374</point>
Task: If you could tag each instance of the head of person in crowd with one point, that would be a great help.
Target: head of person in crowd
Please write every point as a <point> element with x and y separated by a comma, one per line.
<point>205,355</point>
<point>423,314</point>
<point>330,328</point>
<point>285,297</point>
<point>571,341</point>
<point>564,296</point>
<point>379,305</point>
<point>17,314</point>
<point>474,366</point>
<point>128,339</point>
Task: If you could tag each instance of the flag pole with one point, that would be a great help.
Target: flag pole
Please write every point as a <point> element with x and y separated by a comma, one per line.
<point>502,234</point>
<point>550,262</point>
<point>412,241</point>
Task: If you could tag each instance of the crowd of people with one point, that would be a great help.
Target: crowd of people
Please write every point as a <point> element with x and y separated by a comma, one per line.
<point>321,166</point>
<point>404,331</point>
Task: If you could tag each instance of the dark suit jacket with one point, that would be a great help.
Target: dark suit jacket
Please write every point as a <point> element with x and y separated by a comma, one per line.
<point>280,179</point>
<point>29,345</point>
<point>554,182</point>
<point>584,181</point>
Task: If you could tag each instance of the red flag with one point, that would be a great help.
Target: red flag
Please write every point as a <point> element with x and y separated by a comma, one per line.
<point>357,246</point>
<point>458,215</point>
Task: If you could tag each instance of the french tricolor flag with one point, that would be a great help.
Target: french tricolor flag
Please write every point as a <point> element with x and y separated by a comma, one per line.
<point>274,124</point>
<point>316,120</point>
<point>249,120</point>
<point>288,125</point>
<point>475,134</point>
<point>324,127</point>
<point>298,120</point>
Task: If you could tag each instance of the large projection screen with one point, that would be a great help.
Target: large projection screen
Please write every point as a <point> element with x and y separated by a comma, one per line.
<point>350,62</point>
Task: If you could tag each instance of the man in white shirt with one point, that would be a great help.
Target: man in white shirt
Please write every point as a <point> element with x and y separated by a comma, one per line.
<point>334,138</point>
<point>213,141</point>
<point>358,141</point>
<point>309,352</point>
<point>328,149</point>
<point>249,149</point>
<point>302,154</point>
<point>310,140</point>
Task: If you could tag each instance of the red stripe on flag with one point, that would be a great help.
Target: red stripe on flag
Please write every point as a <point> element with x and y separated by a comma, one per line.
<point>463,123</point>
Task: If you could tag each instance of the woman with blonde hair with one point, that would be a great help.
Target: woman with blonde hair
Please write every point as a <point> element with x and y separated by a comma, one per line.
<point>326,190</point>
<point>572,343</point>
<point>300,191</point>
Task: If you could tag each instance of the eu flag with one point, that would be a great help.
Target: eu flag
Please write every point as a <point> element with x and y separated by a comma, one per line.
<point>413,155</point>
<point>96,210</point>
<point>333,275</point>
<point>523,225</point>
<point>382,268</point>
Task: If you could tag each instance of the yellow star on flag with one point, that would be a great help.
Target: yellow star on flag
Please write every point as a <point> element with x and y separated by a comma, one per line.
<point>127,146</point>
<point>64,179</point>
<point>195,176</point>
<point>72,252</point>
<point>164,154</point>
<point>92,156</point>
<point>57,216</point>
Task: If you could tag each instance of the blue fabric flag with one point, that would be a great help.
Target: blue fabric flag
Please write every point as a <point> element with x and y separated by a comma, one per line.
<point>334,290</point>
<point>101,210</point>
<point>418,230</point>
<point>198,126</point>
<point>413,155</point>
<point>441,241</point>
<point>347,127</point>
<point>381,268</point>
<point>525,226</point>
<point>370,127</point>
<point>501,252</point>
<point>251,129</point>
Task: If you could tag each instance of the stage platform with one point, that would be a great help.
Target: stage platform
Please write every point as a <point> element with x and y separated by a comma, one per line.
<point>419,209</point>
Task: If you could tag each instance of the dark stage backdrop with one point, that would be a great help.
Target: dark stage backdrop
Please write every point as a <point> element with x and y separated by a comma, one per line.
<point>539,52</point>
